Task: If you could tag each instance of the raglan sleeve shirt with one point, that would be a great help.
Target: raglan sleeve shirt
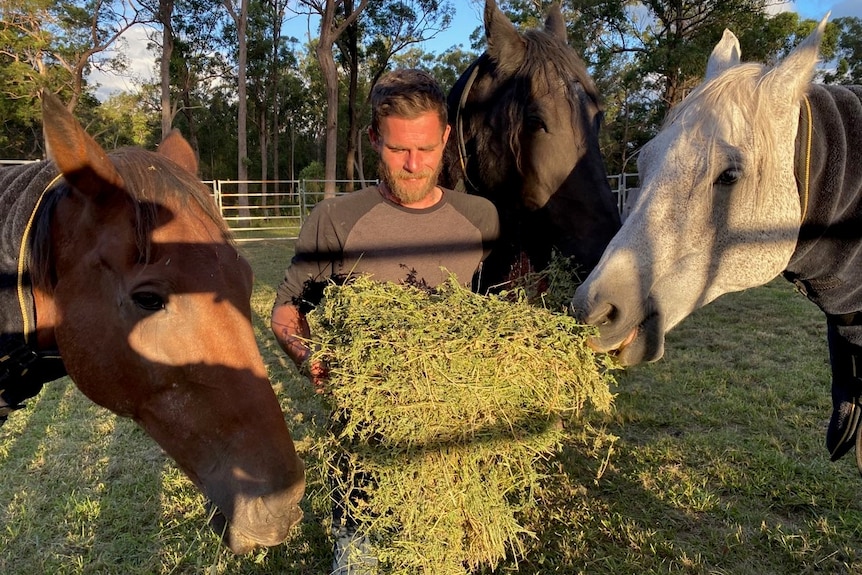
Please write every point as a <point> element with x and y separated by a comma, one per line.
<point>364,233</point>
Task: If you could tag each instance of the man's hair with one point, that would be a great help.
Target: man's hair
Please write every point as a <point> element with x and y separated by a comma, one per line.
<point>406,93</point>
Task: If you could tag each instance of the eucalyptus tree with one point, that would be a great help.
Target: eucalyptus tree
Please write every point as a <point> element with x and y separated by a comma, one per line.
<point>335,18</point>
<point>848,61</point>
<point>238,11</point>
<point>53,45</point>
<point>270,58</point>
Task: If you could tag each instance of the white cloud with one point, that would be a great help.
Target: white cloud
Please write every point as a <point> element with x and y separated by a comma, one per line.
<point>141,65</point>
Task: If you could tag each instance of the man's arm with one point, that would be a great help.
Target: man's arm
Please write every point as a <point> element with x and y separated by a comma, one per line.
<point>291,330</point>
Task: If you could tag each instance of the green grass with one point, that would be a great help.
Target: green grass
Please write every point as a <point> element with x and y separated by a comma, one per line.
<point>720,467</point>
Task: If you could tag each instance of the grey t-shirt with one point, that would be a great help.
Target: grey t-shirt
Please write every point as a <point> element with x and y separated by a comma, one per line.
<point>364,233</point>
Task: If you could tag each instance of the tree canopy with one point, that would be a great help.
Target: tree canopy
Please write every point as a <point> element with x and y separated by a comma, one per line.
<point>644,55</point>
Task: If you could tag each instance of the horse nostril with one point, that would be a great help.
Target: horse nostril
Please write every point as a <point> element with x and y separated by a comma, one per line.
<point>613,314</point>
<point>604,315</point>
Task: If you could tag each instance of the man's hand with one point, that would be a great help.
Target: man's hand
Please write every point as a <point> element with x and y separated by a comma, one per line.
<point>318,373</point>
<point>291,331</point>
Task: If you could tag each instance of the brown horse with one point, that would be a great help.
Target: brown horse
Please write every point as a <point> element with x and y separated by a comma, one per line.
<point>134,282</point>
<point>525,122</point>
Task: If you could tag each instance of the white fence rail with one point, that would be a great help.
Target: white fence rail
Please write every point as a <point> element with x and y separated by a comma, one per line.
<point>275,209</point>
<point>621,185</point>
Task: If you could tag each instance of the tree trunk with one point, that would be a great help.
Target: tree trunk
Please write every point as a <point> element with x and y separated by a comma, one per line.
<point>166,11</point>
<point>241,21</point>
<point>329,33</point>
<point>275,103</point>
<point>263,138</point>
<point>351,49</point>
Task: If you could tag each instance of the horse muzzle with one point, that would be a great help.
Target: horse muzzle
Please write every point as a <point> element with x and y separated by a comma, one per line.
<point>259,522</point>
<point>630,342</point>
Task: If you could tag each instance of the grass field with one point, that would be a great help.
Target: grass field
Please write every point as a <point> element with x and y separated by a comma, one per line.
<point>720,467</point>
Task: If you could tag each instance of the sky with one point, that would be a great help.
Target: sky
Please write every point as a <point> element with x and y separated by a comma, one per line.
<point>468,17</point>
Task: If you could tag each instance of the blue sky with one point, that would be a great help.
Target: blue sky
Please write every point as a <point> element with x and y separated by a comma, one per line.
<point>817,8</point>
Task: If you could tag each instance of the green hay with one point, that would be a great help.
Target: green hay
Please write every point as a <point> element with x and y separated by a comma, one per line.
<point>451,401</point>
<point>553,287</point>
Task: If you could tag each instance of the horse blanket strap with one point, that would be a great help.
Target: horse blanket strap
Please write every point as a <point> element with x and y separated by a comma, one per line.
<point>805,181</point>
<point>23,369</point>
<point>845,319</point>
<point>23,372</point>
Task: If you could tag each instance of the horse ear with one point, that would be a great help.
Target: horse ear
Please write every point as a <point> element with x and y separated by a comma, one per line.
<point>83,163</point>
<point>177,149</point>
<point>726,54</point>
<point>505,45</point>
<point>796,71</point>
<point>555,24</point>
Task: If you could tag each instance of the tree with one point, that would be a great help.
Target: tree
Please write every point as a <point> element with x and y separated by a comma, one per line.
<point>239,15</point>
<point>348,45</point>
<point>848,65</point>
<point>331,27</point>
<point>53,45</point>
<point>88,30</point>
<point>164,15</point>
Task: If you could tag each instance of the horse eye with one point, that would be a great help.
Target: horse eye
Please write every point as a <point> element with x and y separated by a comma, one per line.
<point>729,177</point>
<point>148,301</point>
<point>536,124</point>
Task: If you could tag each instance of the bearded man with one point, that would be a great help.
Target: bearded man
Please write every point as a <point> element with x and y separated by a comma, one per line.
<point>406,228</point>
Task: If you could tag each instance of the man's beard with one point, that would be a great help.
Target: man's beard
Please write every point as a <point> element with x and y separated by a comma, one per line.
<point>396,183</point>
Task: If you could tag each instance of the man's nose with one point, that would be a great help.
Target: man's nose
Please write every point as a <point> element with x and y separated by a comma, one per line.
<point>412,162</point>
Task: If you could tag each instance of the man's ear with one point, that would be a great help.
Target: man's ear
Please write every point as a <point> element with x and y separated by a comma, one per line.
<point>446,133</point>
<point>374,139</point>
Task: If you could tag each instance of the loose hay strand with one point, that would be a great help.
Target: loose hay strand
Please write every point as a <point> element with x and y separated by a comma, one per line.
<point>450,401</point>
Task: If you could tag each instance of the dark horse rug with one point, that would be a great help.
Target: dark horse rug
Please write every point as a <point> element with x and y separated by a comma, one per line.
<point>23,369</point>
<point>827,263</point>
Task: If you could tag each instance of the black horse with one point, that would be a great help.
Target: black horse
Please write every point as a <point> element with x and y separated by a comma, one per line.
<point>525,121</point>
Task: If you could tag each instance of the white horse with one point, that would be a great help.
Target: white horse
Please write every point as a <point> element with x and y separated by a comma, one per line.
<point>757,172</point>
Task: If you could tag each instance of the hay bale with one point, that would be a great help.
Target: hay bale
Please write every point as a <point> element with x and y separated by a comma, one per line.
<point>450,401</point>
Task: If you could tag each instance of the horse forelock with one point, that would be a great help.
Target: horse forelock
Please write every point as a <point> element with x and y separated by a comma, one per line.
<point>150,181</point>
<point>550,60</point>
<point>708,111</point>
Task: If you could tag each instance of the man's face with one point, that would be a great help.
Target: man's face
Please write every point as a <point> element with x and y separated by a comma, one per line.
<point>411,154</point>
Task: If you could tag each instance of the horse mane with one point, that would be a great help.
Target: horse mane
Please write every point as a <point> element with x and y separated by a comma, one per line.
<point>698,113</point>
<point>139,169</point>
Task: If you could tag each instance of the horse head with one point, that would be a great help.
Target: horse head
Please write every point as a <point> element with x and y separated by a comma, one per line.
<point>138,285</point>
<point>718,208</point>
<point>526,119</point>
